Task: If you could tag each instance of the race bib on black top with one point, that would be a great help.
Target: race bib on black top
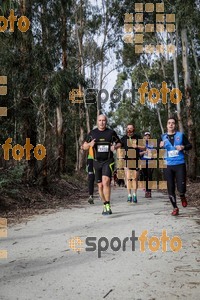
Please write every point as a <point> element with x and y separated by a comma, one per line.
<point>102,148</point>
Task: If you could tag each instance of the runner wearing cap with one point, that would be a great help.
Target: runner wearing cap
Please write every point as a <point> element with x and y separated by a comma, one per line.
<point>147,155</point>
<point>130,143</point>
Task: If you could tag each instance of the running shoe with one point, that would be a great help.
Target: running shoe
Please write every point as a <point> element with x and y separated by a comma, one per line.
<point>134,199</point>
<point>129,200</point>
<point>108,209</point>
<point>184,201</point>
<point>175,212</point>
<point>104,212</point>
<point>90,200</point>
<point>147,194</point>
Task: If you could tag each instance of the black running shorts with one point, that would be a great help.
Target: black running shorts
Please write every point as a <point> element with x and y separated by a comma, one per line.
<point>104,168</point>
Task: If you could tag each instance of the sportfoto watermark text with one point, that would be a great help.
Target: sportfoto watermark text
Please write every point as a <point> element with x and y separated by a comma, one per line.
<point>102,244</point>
<point>153,95</point>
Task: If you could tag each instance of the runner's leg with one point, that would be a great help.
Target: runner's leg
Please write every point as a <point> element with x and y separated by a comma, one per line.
<point>91,179</point>
<point>98,178</point>
<point>106,188</point>
<point>107,172</point>
<point>169,174</point>
<point>181,182</point>
<point>181,178</point>
<point>128,183</point>
<point>136,174</point>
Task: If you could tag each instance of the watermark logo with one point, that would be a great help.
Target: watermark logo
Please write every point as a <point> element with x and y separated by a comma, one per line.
<point>93,95</point>
<point>3,234</point>
<point>75,243</point>
<point>135,27</point>
<point>175,94</point>
<point>3,92</point>
<point>102,244</point>
<point>23,23</point>
<point>126,163</point>
<point>76,96</point>
<point>18,150</point>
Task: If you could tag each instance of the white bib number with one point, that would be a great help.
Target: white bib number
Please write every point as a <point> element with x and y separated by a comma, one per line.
<point>173,153</point>
<point>148,155</point>
<point>103,148</point>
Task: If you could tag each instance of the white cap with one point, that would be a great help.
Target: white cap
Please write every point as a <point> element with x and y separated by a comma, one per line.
<point>147,133</point>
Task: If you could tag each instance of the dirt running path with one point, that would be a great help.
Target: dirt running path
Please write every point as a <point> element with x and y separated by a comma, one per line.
<point>41,265</point>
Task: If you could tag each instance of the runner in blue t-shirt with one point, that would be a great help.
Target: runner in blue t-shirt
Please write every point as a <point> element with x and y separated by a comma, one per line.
<point>174,142</point>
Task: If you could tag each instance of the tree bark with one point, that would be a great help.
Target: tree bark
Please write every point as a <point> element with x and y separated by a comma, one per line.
<point>105,33</point>
<point>192,159</point>
<point>82,115</point>
<point>59,115</point>
<point>178,106</point>
<point>196,61</point>
<point>157,108</point>
<point>59,133</point>
<point>28,114</point>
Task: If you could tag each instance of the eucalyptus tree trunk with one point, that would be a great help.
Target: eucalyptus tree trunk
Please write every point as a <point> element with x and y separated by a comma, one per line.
<point>196,61</point>
<point>28,114</point>
<point>192,159</point>
<point>157,108</point>
<point>59,114</point>
<point>178,105</point>
<point>164,76</point>
<point>164,59</point>
<point>102,53</point>
<point>83,109</point>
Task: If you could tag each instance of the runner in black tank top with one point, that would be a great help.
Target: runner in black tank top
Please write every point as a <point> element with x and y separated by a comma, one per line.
<point>103,141</point>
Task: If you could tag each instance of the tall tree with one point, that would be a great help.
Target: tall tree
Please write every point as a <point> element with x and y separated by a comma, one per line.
<point>189,104</point>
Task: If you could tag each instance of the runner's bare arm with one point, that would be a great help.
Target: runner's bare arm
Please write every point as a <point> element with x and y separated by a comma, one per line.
<point>115,147</point>
<point>86,145</point>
